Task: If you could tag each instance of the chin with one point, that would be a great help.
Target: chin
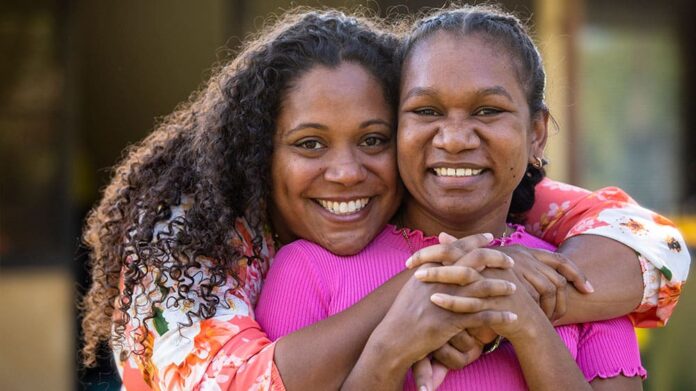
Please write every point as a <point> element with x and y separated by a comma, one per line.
<point>345,247</point>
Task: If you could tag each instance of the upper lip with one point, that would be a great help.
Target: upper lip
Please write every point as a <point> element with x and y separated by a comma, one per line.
<point>473,166</point>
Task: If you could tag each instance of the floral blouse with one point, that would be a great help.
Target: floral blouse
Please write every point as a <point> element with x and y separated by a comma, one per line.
<point>231,352</point>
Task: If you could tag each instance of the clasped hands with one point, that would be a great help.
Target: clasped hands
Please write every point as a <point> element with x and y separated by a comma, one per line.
<point>473,280</point>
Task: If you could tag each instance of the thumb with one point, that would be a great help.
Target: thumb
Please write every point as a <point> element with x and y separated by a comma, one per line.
<point>439,373</point>
<point>423,374</point>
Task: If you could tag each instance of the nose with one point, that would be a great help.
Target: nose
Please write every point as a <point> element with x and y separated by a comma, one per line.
<point>346,168</point>
<point>456,135</point>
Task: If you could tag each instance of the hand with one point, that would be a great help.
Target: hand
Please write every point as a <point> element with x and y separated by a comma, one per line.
<point>462,349</point>
<point>530,317</point>
<point>423,327</point>
<point>466,251</point>
<point>545,276</point>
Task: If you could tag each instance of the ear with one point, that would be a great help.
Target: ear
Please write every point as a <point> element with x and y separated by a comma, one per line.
<point>538,135</point>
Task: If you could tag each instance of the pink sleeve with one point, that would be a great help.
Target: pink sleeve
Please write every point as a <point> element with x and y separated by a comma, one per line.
<point>608,349</point>
<point>294,294</point>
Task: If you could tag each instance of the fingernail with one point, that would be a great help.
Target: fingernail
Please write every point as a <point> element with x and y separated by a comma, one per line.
<point>589,286</point>
<point>408,262</point>
<point>489,236</point>
<point>513,287</point>
<point>437,298</point>
<point>512,261</point>
<point>422,388</point>
<point>419,274</point>
<point>513,316</point>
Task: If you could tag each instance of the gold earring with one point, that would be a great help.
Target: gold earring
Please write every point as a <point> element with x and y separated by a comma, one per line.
<point>539,162</point>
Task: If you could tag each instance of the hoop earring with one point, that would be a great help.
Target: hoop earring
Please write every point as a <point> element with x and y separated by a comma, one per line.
<point>539,162</point>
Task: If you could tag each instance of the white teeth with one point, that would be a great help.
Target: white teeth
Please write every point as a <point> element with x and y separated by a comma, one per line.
<point>344,208</point>
<point>442,171</point>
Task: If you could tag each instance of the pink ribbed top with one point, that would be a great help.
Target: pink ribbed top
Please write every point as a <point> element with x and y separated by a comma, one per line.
<point>307,283</point>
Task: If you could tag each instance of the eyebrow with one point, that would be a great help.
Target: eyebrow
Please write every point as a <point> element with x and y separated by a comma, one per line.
<point>419,91</point>
<point>495,90</point>
<point>427,91</point>
<point>317,126</point>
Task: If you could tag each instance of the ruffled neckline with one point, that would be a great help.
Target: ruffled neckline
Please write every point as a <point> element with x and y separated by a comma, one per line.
<point>418,236</point>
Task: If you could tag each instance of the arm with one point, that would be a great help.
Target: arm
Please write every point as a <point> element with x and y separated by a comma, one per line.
<point>621,229</point>
<point>604,349</point>
<point>295,300</point>
<point>332,346</point>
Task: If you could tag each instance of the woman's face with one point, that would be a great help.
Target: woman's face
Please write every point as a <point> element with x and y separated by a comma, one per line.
<point>334,172</point>
<point>465,134</point>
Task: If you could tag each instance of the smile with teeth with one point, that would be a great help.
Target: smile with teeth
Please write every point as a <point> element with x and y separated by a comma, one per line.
<point>457,172</point>
<point>344,207</point>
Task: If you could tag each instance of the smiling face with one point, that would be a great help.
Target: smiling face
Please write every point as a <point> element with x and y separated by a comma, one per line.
<point>334,164</point>
<point>465,134</point>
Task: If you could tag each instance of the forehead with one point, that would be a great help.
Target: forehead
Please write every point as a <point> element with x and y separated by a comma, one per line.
<point>459,61</point>
<point>330,94</point>
<point>324,82</point>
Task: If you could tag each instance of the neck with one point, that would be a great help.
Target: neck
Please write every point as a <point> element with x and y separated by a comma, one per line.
<point>454,224</point>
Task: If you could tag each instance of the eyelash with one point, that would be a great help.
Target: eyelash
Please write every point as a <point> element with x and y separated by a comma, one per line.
<point>427,111</point>
<point>380,141</point>
<point>488,111</point>
<point>303,144</point>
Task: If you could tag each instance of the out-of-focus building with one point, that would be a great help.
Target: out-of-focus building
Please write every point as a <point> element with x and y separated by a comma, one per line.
<point>80,80</point>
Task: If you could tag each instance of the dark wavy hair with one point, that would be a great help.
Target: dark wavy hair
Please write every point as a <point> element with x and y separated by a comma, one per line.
<point>212,154</point>
<point>504,29</point>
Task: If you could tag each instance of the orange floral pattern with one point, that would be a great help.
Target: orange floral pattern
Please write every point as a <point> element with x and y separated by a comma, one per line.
<point>231,352</point>
<point>563,211</point>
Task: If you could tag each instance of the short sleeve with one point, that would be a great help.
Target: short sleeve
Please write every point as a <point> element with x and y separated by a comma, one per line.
<point>608,349</point>
<point>562,211</point>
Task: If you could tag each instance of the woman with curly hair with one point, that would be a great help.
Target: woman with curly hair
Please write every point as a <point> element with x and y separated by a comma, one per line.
<point>181,240</point>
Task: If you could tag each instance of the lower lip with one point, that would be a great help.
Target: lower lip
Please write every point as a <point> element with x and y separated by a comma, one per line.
<point>458,181</point>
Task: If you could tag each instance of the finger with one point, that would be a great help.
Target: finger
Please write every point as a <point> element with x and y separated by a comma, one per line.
<point>451,357</point>
<point>445,254</point>
<point>546,290</point>
<point>460,275</point>
<point>488,287</point>
<point>567,268</point>
<point>446,238</point>
<point>561,303</point>
<point>448,252</point>
<point>482,335</point>
<point>458,303</point>
<point>482,258</point>
<point>487,318</point>
<point>439,373</point>
<point>464,341</point>
<point>423,374</point>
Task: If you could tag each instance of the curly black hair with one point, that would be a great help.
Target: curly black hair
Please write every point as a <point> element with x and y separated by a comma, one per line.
<point>176,195</point>
<point>492,23</point>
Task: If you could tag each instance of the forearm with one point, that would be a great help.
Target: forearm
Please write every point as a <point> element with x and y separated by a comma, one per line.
<point>615,273</point>
<point>377,370</point>
<point>320,356</point>
<point>554,369</point>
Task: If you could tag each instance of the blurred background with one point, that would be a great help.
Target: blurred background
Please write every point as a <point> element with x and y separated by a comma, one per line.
<point>80,80</point>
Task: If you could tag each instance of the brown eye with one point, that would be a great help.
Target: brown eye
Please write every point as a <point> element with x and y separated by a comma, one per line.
<point>373,141</point>
<point>488,111</point>
<point>427,111</point>
<point>310,144</point>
